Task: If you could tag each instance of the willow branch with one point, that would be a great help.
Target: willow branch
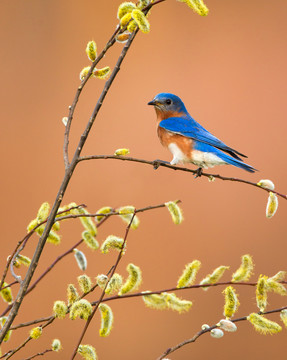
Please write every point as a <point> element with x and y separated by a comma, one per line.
<point>157,163</point>
<point>103,292</point>
<point>200,333</point>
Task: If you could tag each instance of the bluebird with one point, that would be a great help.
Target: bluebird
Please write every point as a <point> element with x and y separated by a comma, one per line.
<point>187,140</point>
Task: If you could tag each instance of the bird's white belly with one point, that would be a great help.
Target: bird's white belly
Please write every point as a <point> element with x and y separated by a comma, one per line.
<point>178,155</point>
<point>205,159</point>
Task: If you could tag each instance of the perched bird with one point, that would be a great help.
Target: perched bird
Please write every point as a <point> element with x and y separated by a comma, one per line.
<point>187,140</point>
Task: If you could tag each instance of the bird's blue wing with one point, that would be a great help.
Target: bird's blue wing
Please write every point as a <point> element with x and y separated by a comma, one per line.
<point>190,128</point>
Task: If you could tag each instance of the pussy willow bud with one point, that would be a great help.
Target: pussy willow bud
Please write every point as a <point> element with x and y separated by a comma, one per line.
<point>36,332</point>
<point>114,284</point>
<point>133,281</point>
<point>103,73</point>
<point>216,333</point>
<point>72,294</point>
<point>244,272</point>
<point>112,242</point>
<point>123,38</point>
<point>177,304</point>
<point>81,259</point>
<point>91,50</point>
<point>103,210</point>
<point>88,352</point>
<point>141,20</point>
<point>126,214</point>
<point>102,280</point>
<point>90,240</point>
<point>106,319</point>
<point>60,309</point>
<point>231,302</point>
<point>263,325</point>
<point>81,309</point>
<point>227,325</point>
<point>9,332</point>
<point>214,277</point>
<point>43,212</point>
<point>124,8</point>
<point>175,212</point>
<point>85,283</point>
<point>122,152</point>
<point>6,293</point>
<point>266,184</point>
<point>88,223</point>
<point>84,72</point>
<point>261,293</point>
<point>65,120</point>
<point>56,345</point>
<point>272,205</point>
<point>23,260</point>
<point>197,6</point>
<point>189,274</point>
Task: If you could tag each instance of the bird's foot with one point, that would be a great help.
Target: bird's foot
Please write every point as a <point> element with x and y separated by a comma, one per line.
<point>198,172</point>
<point>157,163</point>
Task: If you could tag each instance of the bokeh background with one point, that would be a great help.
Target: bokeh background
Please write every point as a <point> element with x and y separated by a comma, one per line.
<point>230,70</point>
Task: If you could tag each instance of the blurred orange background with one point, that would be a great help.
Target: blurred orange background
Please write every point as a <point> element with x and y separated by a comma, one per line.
<point>229,69</point>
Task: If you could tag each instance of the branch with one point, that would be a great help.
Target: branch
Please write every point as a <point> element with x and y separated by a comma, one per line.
<point>103,292</point>
<point>198,334</point>
<point>157,163</point>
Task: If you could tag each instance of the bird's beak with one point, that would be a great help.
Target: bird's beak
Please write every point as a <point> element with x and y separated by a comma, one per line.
<point>153,102</point>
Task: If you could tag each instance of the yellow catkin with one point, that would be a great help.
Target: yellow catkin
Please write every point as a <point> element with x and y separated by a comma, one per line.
<point>103,73</point>
<point>155,301</point>
<point>43,212</point>
<point>60,309</point>
<point>231,302</point>
<point>72,294</point>
<point>266,184</point>
<point>9,332</point>
<point>244,272</point>
<point>112,242</point>
<point>261,293</point>
<point>133,281</point>
<point>272,205</point>
<point>263,325</point>
<point>197,6</point>
<point>81,309</point>
<point>124,8</point>
<point>189,274</point>
<point>36,332</point>
<point>175,212</point>
<point>121,152</point>
<point>84,72</point>
<point>85,283</point>
<point>88,352</point>
<point>103,210</point>
<point>106,320</point>
<point>126,214</point>
<point>88,223</point>
<point>90,240</point>
<point>114,284</point>
<point>177,304</point>
<point>6,293</point>
<point>91,50</point>
<point>141,20</point>
<point>23,260</point>
<point>214,277</point>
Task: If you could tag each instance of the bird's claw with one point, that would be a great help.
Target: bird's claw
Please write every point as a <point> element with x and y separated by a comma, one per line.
<point>198,172</point>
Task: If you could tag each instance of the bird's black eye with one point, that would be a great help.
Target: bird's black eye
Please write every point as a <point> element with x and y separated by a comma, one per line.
<point>168,101</point>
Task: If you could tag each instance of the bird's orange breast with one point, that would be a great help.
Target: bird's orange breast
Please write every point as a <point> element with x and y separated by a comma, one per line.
<point>183,143</point>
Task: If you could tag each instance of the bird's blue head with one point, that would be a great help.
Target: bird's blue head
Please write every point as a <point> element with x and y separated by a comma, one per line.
<point>168,105</point>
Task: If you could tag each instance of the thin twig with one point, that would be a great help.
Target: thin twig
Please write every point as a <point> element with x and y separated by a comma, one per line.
<point>201,332</point>
<point>39,354</point>
<point>103,292</point>
<point>157,163</point>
